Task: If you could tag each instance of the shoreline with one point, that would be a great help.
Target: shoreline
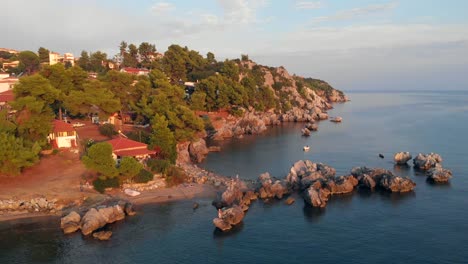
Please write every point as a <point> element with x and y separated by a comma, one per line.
<point>183,192</point>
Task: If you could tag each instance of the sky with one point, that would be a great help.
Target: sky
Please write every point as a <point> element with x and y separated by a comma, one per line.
<point>354,45</point>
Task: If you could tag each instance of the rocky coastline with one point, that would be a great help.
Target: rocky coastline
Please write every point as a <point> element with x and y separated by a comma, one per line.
<point>316,183</point>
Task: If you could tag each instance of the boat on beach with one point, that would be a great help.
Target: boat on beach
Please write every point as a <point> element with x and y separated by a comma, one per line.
<point>131,192</point>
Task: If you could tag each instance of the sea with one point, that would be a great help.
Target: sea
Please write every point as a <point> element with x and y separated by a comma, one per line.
<point>428,225</point>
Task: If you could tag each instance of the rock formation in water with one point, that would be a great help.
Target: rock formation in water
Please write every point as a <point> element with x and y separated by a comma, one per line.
<point>427,161</point>
<point>305,132</point>
<point>401,158</point>
<point>380,178</point>
<point>439,174</point>
<point>102,235</point>
<point>70,223</point>
<point>94,218</point>
<point>269,189</point>
<point>229,217</point>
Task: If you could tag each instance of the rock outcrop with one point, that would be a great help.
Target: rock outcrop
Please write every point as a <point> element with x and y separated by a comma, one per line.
<point>401,158</point>
<point>228,218</point>
<point>381,178</point>
<point>198,150</point>
<point>427,161</point>
<point>269,189</point>
<point>303,173</point>
<point>95,218</point>
<point>183,156</point>
<point>305,132</point>
<point>396,184</point>
<point>317,194</point>
<point>91,221</point>
<point>102,235</point>
<point>439,174</point>
<point>70,223</point>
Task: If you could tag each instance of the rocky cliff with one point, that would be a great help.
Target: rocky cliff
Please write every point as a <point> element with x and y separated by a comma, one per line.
<point>296,99</point>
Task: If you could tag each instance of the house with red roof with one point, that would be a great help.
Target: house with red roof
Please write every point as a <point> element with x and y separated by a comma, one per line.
<point>63,135</point>
<point>124,147</point>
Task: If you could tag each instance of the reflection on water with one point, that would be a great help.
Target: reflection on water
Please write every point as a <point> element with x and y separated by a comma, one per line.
<point>313,214</point>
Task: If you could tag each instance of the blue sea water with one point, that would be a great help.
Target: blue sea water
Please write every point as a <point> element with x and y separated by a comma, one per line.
<point>428,225</point>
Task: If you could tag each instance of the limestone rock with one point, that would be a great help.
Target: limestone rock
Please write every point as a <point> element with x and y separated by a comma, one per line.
<point>91,221</point>
<point>316,195</point>
<point>396,183</point>
<point>112,214</point>
<point>229,218</point>
<point>70,223</point>
<point>342,184</point>
<point>427,161</point>
<point>402,158</point>
<point>198,150</point>
<point>439,174</point>
<point>129,210</point>
<point>102,235</point>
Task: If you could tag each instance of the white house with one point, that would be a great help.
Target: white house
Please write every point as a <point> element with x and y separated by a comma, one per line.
<point>63,135</point>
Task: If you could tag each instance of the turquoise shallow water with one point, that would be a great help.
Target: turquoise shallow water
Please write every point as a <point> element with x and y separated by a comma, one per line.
<point>426,226</point>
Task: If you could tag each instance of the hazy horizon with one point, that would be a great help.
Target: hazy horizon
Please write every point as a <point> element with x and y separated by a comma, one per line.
<point>354,45</point>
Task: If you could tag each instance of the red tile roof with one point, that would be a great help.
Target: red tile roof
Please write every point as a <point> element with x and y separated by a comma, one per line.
<point>128,147</point>
<point>60,126</point>
<point>7,96</point>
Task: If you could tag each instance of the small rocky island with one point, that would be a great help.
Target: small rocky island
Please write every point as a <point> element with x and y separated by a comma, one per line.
<point>317,182</point>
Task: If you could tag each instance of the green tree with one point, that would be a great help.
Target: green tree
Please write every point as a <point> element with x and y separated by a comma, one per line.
<point>120,84</point>
<point>84,61</point>
<point>99,159</point>
<point>210,57</point>
<point>163,139</point>
<point>198,100</point>
<point>129,168</point>
<point>93,95</point>
<point>107,130</point>
<point>230,69</point>
<point>34,96</point>
<point>146,50</point>
<point>43,55</point>
<point>97,60</point>
<point>174,63</point>
<point>29,61</point>
<point>15,155</point>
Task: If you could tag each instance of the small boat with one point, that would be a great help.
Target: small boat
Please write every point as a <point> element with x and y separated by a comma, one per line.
<point>130,192</point>
<point>306,148</point>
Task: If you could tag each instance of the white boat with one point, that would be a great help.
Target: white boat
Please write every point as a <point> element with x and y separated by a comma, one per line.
<point>306,148</point>
<point>130,192</point>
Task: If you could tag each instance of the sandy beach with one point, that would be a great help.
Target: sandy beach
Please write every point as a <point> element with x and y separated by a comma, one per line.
<point>59,177</point>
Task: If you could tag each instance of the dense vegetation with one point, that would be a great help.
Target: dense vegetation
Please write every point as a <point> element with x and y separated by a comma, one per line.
<point>159,99</point>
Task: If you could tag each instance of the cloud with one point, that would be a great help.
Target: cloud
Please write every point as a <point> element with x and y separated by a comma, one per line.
<point>356,12</point>
<point>162,8</point>
<point>241,11</point>
<point>308,5</point>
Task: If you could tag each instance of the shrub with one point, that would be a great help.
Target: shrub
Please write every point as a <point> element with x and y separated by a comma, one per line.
<point>107,130</point>
<point>237,112</point>
<point>158,165</point>
<point>143,177</point>
<point>175,176</point>
<point>100,185</point>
